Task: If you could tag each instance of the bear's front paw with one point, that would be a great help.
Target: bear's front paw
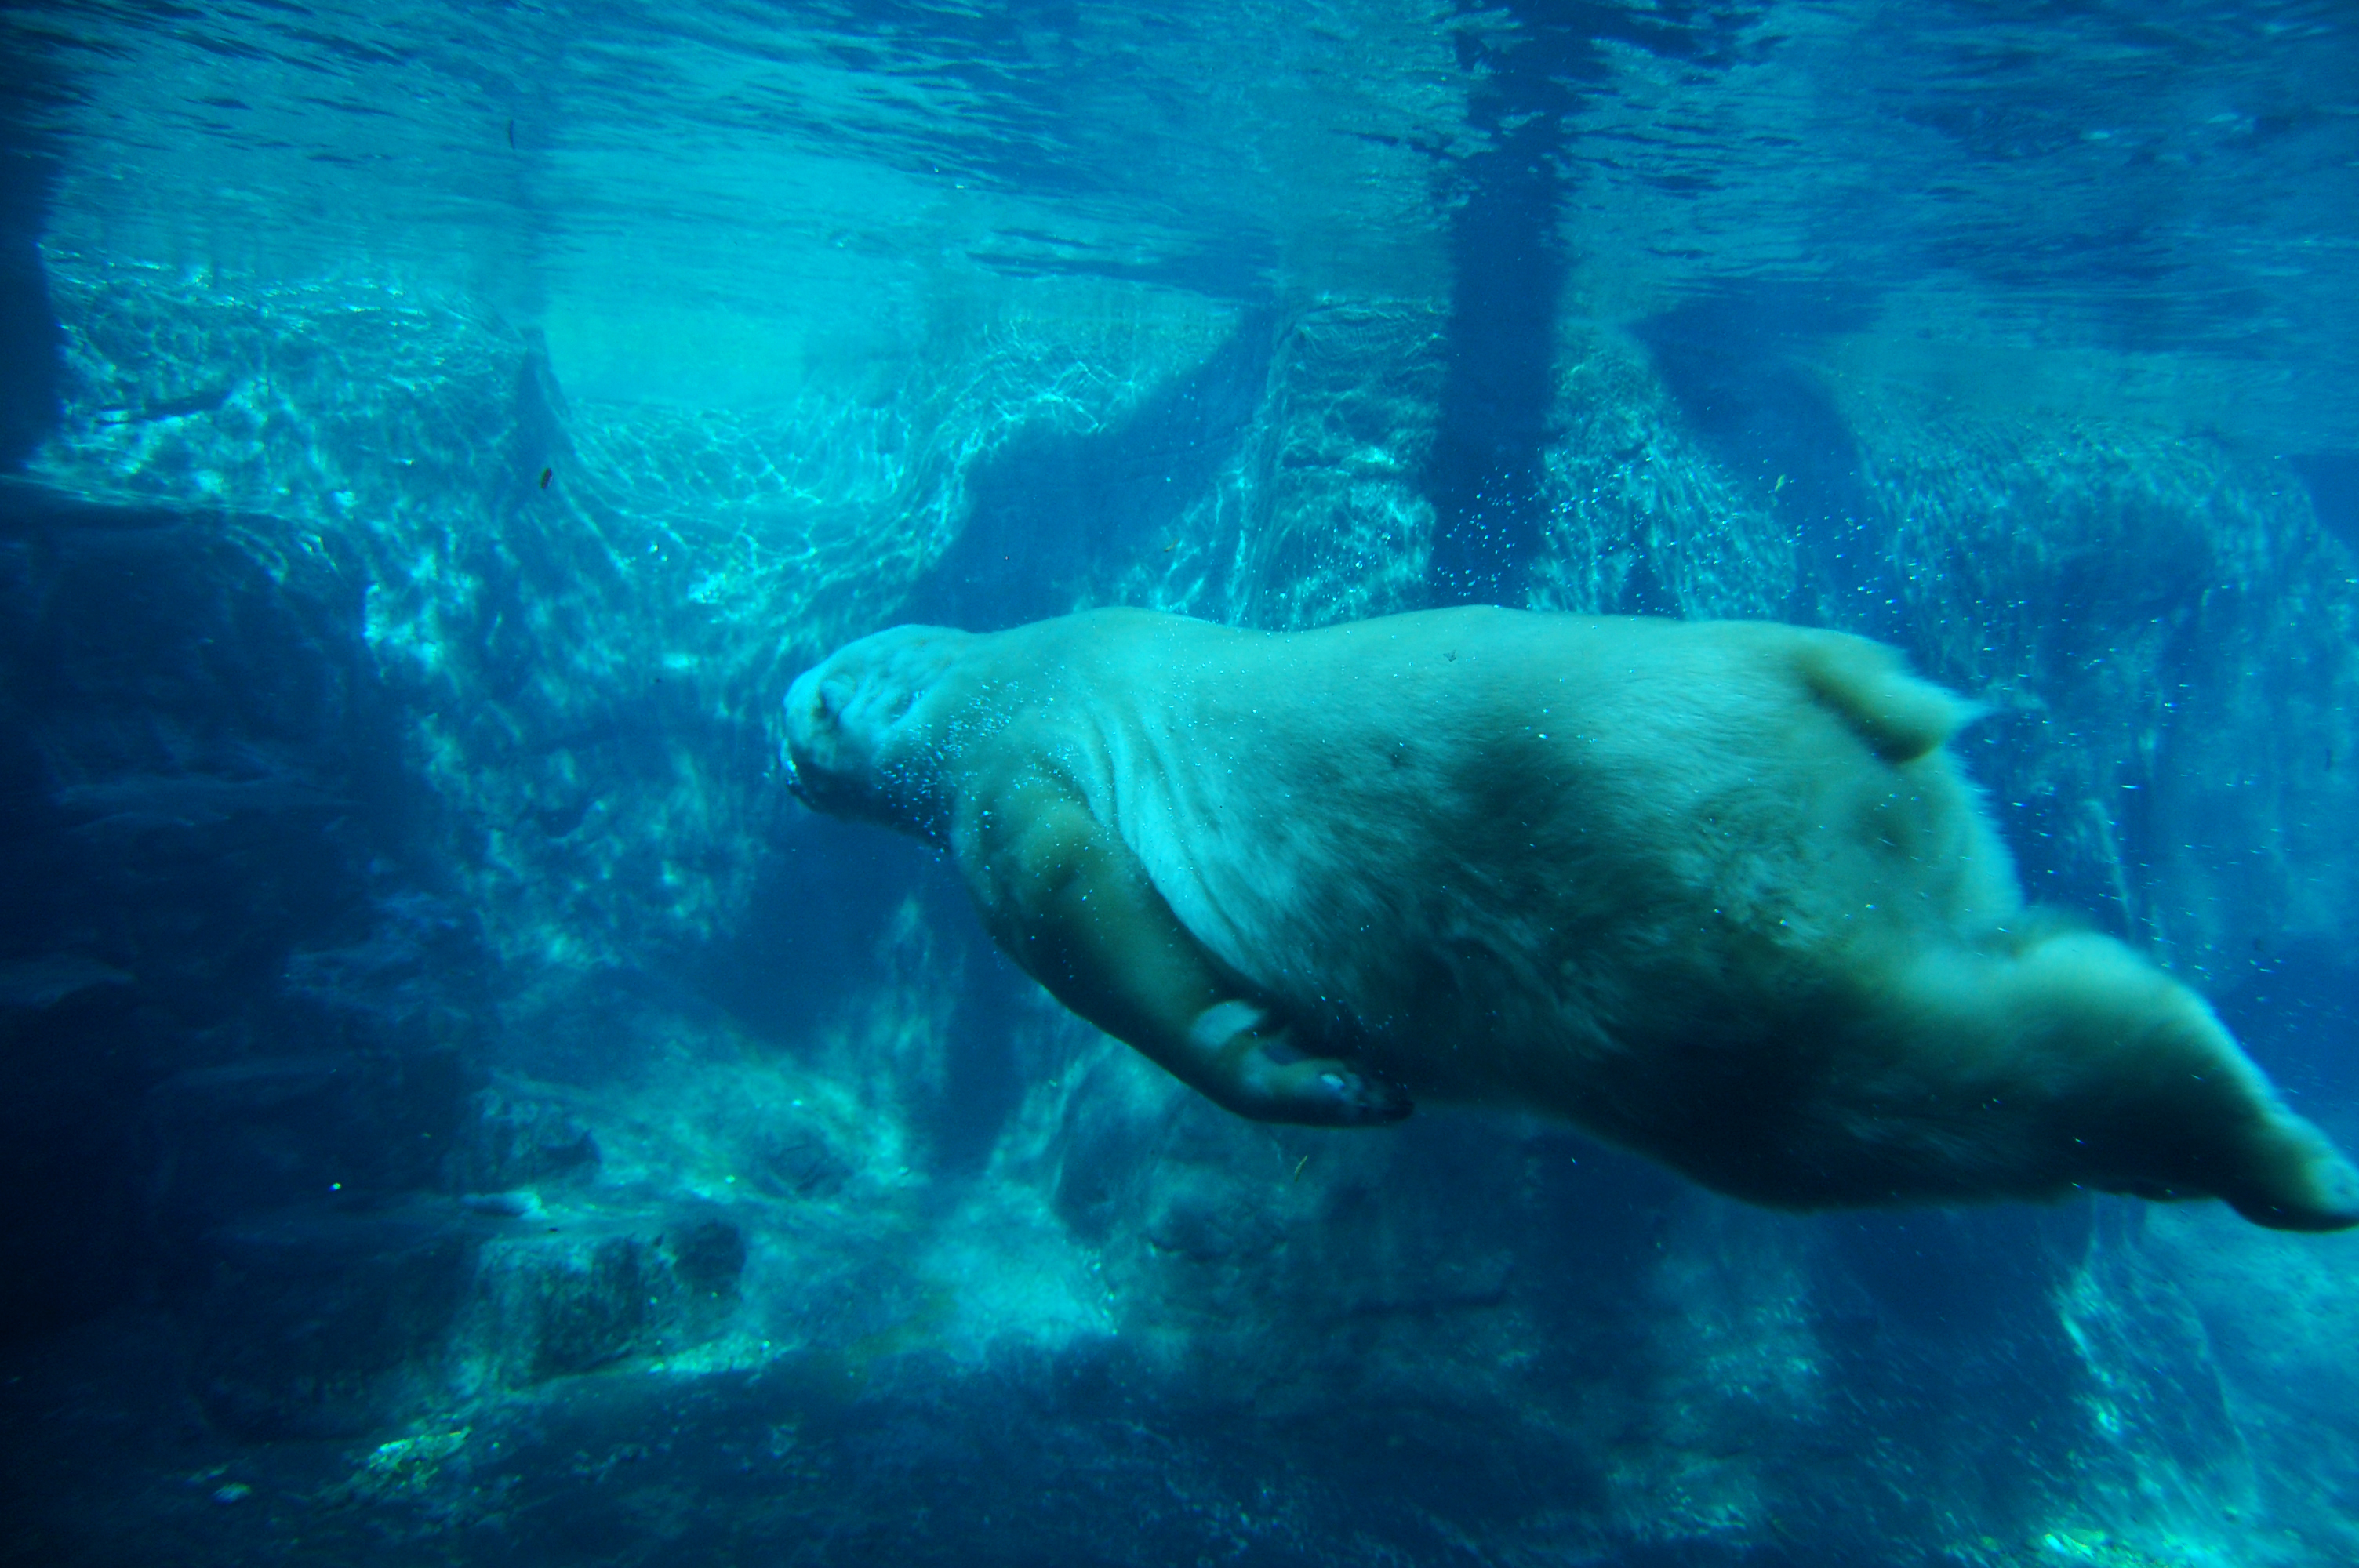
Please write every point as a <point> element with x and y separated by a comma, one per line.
<point>1250,1064</point>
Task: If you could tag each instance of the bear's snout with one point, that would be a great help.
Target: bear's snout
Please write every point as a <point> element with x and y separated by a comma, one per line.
<point>812,739</point>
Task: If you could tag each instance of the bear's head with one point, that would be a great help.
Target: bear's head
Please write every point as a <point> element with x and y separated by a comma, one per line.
<point>855,745</point>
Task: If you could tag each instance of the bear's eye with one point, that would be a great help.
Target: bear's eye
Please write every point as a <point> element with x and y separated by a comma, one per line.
<point>832,696</point>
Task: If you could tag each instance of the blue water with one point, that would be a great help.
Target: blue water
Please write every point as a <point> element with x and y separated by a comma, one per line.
<point>461,1111</point>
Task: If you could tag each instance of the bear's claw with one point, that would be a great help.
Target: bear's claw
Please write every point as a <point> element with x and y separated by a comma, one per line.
<point>1351,1099</point>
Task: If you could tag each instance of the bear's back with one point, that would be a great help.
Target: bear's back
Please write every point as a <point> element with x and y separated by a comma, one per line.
<point>1494,837</point>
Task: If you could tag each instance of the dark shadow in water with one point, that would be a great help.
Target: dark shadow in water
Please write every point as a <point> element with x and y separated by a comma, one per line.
<point>1941,1327</point>
<point>2332,480</point>
<point>212,1001</point>
<point>2044,829</point>
<point>1507,264</point>
<point>825,897</point>
<point>1730,359</point>
<point>1496,397</point>
<point>984,1080</point>
<point>1940,1271</point>
<point>1508,261</point>
<point>30,340</point>
<point>1051,511</point>
<point>824,910</point>
<point>2297,1013</point>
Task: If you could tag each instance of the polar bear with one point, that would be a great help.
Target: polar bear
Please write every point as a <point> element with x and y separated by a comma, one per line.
<point>1713,891</point>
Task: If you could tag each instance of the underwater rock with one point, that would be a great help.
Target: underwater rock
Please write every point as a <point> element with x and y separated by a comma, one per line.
<point>319,1324</point>
<point>513,1139</point>
<point>75,1162</point>
<point>34,985</point>
<point>261,1135</point>
<point>554,1300</point>
<point>1317,514</point>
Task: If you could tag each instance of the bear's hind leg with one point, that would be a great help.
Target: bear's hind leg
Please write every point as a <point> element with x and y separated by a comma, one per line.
<point>2146,1093</point>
